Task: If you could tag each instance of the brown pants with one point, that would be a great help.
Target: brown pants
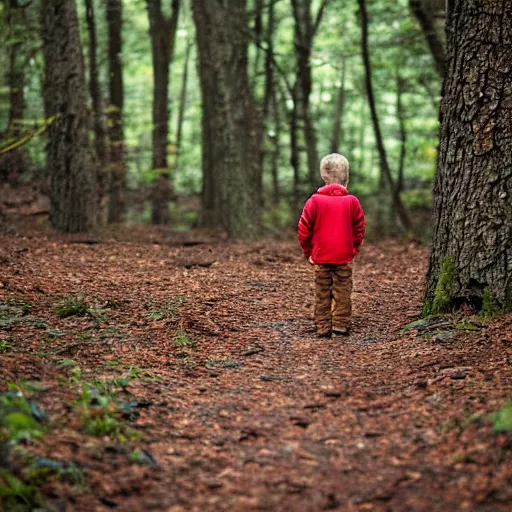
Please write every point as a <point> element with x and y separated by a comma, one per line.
<point>333,287</point>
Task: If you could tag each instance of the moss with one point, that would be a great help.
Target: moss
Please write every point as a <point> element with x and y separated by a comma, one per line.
<point>490,306</point>
<point>446,287</point>
<point>427,309</point>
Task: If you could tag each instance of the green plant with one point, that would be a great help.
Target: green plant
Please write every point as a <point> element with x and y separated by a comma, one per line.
<point>16,495</point>
<point>502,419</point>
<point>182,340</point>
<point>5,346</point>
<point>71,306</point>
<point>490,306</point>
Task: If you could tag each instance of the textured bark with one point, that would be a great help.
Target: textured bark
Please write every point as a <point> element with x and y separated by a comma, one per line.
<point>232,128</point>
<point>472,204</point>
<point>398,206</point>
<point>436,45</point>
<point>70,159</point>
<point>183,102</point>
<point>115,112</point>
<point>162,30</point>
<point>400,114</point>
<point>100,131</point>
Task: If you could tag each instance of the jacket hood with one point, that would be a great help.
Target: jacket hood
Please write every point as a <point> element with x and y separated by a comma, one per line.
<point>333,189</point>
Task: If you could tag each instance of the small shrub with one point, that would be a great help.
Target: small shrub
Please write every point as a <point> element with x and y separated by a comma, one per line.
<point>182,340</point>
<point>71,306</point>
<point>490,306</point>
<point>5,346</point>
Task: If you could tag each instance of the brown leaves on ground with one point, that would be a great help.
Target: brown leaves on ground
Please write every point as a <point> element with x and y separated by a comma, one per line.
<point>234,403</point>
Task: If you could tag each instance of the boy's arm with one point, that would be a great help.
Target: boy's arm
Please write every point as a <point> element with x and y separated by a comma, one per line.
<point>358,226</point>
<point>305,229</point>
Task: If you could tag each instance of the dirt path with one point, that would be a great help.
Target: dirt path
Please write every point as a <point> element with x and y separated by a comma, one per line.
<point>240,407</point>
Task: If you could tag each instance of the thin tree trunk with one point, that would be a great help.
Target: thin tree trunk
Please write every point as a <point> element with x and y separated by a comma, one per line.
<point>384,165</point>
<point>432,38</point>
<point>471,256</point>
<point>100,132</point>
<point>337,130</point>
<point>276,189</point>
<point>117,168</point>
<point>73,173</point>
<point>183,102</point>
<point>163,36</point>
<point>400,87</point>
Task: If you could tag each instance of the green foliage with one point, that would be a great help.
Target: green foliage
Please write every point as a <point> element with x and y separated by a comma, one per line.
<point>71,306</point>
<point>5,346</point>
<point>446,287</point>
<point>490,306</point>
<point>168,309</point>
<point>182,340</point>
<point>16,495</point>
<point>502,419</point>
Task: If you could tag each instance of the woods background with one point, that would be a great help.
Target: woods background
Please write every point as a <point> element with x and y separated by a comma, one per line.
<point>216,114</point>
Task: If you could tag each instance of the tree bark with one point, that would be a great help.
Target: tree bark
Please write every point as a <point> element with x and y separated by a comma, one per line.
<point>383,159</point>
<point>400,114</point>
<point>472,238</point>
<point>163,36</point>
<point>232,127</point>
<point>434,42</point>
<point>70,159</point>
<point>117,167</point>
<point>100,132</point>
<point>183,102</point>
<point>305,28</point>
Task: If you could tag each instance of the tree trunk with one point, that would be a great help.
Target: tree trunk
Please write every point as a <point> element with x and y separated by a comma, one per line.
<point>70,159</point>
<point>232,128</point>
<point>471,256</point>
<point>383,159</point>
<point>400,114</point>
<point>163,35</point>
<point>274,165</point>
<point>432,38</point>
<point>117,168</point>
<point>100,133</point>
<point>305,30</point>
<point>338,110</point>
<point>183,102</point>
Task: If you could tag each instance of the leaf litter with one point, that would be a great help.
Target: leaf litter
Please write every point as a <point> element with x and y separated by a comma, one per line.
<point>178,386</point>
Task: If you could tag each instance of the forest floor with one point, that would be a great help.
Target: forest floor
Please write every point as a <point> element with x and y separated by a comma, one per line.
<point>194,382</point>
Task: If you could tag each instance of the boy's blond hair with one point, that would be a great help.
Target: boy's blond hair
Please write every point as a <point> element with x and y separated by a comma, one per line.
<point>334,168</point>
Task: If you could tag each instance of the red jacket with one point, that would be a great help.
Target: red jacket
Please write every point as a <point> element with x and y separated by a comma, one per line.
<point>332,225</point>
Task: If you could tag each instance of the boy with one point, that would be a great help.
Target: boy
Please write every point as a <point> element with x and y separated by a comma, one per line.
<point>331,230</point>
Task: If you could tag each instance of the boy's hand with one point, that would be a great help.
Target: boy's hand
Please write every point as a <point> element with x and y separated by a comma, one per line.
<point>310,260</point>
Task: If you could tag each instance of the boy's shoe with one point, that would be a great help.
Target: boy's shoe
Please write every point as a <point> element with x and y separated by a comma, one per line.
<point>341,331</point>
<point>326,334</point>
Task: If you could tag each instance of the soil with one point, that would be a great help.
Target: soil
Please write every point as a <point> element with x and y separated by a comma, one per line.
<point>236,404</point>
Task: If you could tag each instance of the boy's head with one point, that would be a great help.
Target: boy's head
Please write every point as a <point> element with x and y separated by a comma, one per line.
<point>334,169</point>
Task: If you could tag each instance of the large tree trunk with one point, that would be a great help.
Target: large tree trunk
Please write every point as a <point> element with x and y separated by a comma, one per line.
<point>232,128</point>
<point>70,159</point>
<point>379,141</point>
<point>471,255</point>
<point>163,35</point>
<point>100,132</point>
<point>115,112</point>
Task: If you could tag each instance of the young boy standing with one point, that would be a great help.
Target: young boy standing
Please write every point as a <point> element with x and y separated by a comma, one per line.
<point>331,230</point>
